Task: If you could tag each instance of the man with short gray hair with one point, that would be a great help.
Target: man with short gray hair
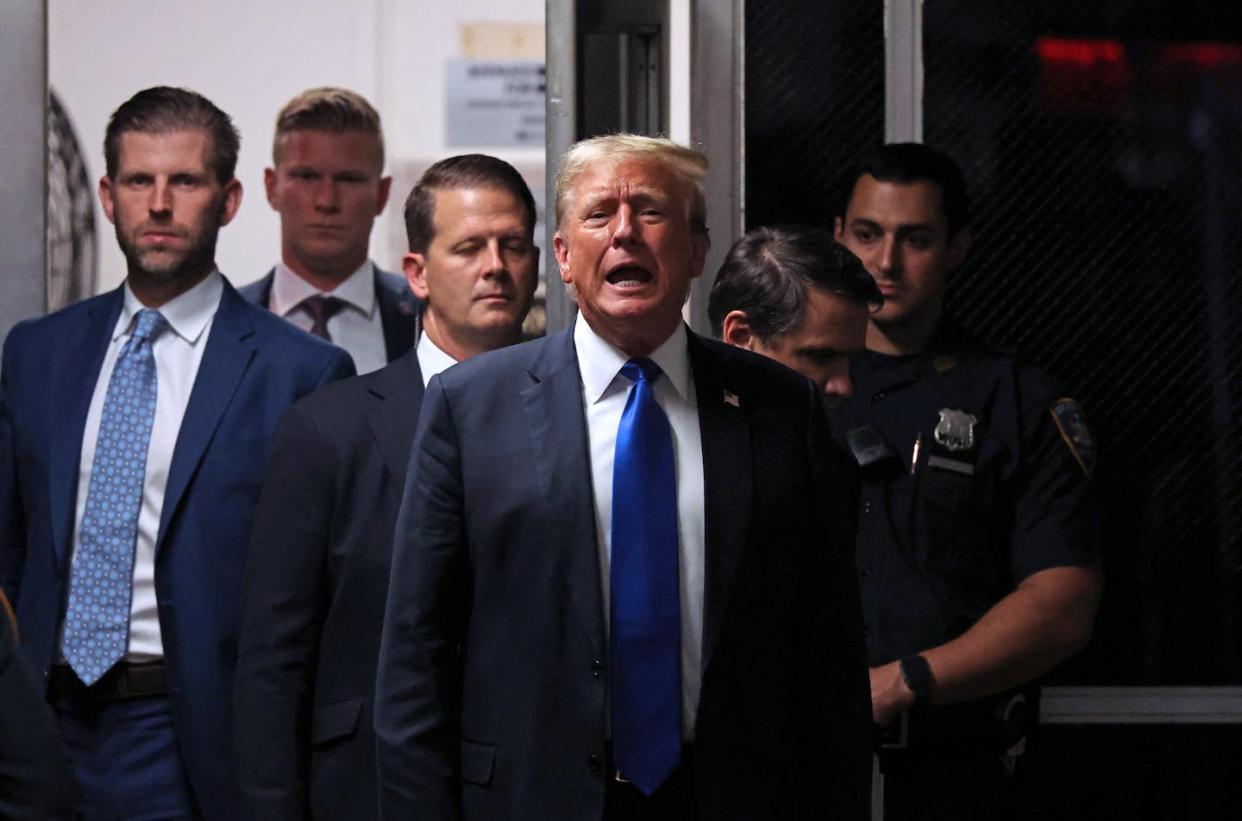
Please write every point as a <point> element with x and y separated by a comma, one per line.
<point>616,592</point>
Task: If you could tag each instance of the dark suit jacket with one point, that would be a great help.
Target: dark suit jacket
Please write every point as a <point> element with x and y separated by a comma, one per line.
<point>35,780</point>
<point>316,582</point>
<point>400,310</point>
<point>254,366</point>
<point>490,700</point>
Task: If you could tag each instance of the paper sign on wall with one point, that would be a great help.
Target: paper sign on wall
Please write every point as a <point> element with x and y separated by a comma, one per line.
<point>495,103</point>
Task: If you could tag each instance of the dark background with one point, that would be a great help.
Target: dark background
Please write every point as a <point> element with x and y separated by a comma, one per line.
<point>1103,147</point>
<point>1102,142</point>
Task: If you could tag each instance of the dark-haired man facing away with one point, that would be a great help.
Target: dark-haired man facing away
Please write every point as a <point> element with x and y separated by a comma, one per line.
<point>795,295</point>
<point>318,571</point>
<point>976,550</point>
<point>327,183</point>
<point>133,426</point>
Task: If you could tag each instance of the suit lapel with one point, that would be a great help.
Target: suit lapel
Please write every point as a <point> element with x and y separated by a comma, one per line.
<point>397,397</point>
<point>74,385</point>
<point>727,474</point>
<point>561,450</point>
<point>226,357</point>
<point>398,316</point>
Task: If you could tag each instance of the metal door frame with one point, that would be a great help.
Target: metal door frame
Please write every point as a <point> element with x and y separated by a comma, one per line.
<point>23,163</point>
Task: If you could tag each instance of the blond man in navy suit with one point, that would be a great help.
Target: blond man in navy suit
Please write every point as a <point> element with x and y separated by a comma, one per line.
<point>327,183</point>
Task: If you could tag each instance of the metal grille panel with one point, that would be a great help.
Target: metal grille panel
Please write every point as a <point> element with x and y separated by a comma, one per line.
<point>1103,149</point>
<point>814,100</point>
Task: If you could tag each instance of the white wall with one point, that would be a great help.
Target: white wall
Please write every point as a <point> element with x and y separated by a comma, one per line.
<point>250,57</point>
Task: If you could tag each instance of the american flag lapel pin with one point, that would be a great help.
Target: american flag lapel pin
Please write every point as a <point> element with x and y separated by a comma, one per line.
<point>730,398</point>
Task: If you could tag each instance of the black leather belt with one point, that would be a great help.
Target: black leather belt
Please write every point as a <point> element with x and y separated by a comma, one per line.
<point>124,681</point>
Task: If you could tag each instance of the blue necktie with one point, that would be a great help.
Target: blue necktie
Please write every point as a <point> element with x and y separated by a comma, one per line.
<point>645,634</point>
<point>101,583</point>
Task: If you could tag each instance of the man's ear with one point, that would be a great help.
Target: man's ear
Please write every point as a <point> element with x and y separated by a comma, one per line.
<point>269,186</point>
<point>959,248</point>
<point>735,331</point>
<point>535,264</point>
<point>105,198</point>
<point>838,229</point>
<point>560,249</point>
<point>414,265</point>
<point>698,253</point>
<point>385,185</point>
<point>232,201</point>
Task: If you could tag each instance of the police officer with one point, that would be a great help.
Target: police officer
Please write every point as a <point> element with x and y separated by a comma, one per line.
<point>976,556</point>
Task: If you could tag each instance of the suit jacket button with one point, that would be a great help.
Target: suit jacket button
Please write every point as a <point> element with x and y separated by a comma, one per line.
<point>593,763</point>
<point>597,669</point>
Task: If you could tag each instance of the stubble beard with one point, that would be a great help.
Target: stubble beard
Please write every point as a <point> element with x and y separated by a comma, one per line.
<point>194,263</point>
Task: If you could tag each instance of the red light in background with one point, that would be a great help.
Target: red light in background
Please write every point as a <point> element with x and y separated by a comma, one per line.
<point>1095,77</point>
<point>1204,55</point>
<point>1087,53</point>
<point>1079,52</point>
<point>1083,77</point>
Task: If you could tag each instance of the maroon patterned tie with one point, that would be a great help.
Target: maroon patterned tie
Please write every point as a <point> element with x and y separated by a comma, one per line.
<point>322,308</point>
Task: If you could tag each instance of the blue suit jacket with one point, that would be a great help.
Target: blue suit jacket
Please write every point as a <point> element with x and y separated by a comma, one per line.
<point>254,366</point>
<point>490,698</point>
<point>400,310</point>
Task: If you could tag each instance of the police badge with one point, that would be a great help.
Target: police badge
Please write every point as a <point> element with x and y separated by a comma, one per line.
<point>955,431</point>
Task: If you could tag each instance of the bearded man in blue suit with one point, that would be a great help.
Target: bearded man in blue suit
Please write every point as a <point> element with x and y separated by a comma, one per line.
<point>133,428</point>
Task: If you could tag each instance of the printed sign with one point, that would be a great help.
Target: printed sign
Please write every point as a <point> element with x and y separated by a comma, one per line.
<point>495,103</point>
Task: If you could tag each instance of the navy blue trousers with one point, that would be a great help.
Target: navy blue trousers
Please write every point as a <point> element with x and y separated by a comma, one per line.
<point>125,758</point>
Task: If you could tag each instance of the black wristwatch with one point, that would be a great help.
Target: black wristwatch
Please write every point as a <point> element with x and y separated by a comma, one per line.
<point>916,673</point>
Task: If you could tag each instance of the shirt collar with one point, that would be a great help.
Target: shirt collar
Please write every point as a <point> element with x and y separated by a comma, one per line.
<point>431,359</point>
<point>289,290</point>
<point>600,363</point>
<point>187,314</point>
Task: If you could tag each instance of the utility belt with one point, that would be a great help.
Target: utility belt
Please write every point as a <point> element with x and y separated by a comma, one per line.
<point>998,723</point>
<point>124,681</point>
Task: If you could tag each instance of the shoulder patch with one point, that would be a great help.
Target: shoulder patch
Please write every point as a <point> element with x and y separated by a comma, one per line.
<point>1072,424</point>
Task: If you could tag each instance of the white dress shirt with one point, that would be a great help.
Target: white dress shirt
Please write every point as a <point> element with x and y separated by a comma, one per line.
<point>178,351</point>
<point>604,393</point>
<point>358,327</point>
<point>432,360</point>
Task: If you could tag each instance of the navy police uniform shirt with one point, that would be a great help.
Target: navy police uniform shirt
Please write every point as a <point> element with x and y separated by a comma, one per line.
<point>974,476</point>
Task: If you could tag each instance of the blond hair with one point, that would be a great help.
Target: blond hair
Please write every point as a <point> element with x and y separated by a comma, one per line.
<point>687,163</point>
<point>337,110</point>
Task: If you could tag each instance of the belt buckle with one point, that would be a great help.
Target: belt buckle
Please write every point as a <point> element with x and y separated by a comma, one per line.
<point>896,736</point>
<point>620,779</point>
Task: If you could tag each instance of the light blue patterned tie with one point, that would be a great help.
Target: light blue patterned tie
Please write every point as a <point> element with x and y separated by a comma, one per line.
<point>101,583</point>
